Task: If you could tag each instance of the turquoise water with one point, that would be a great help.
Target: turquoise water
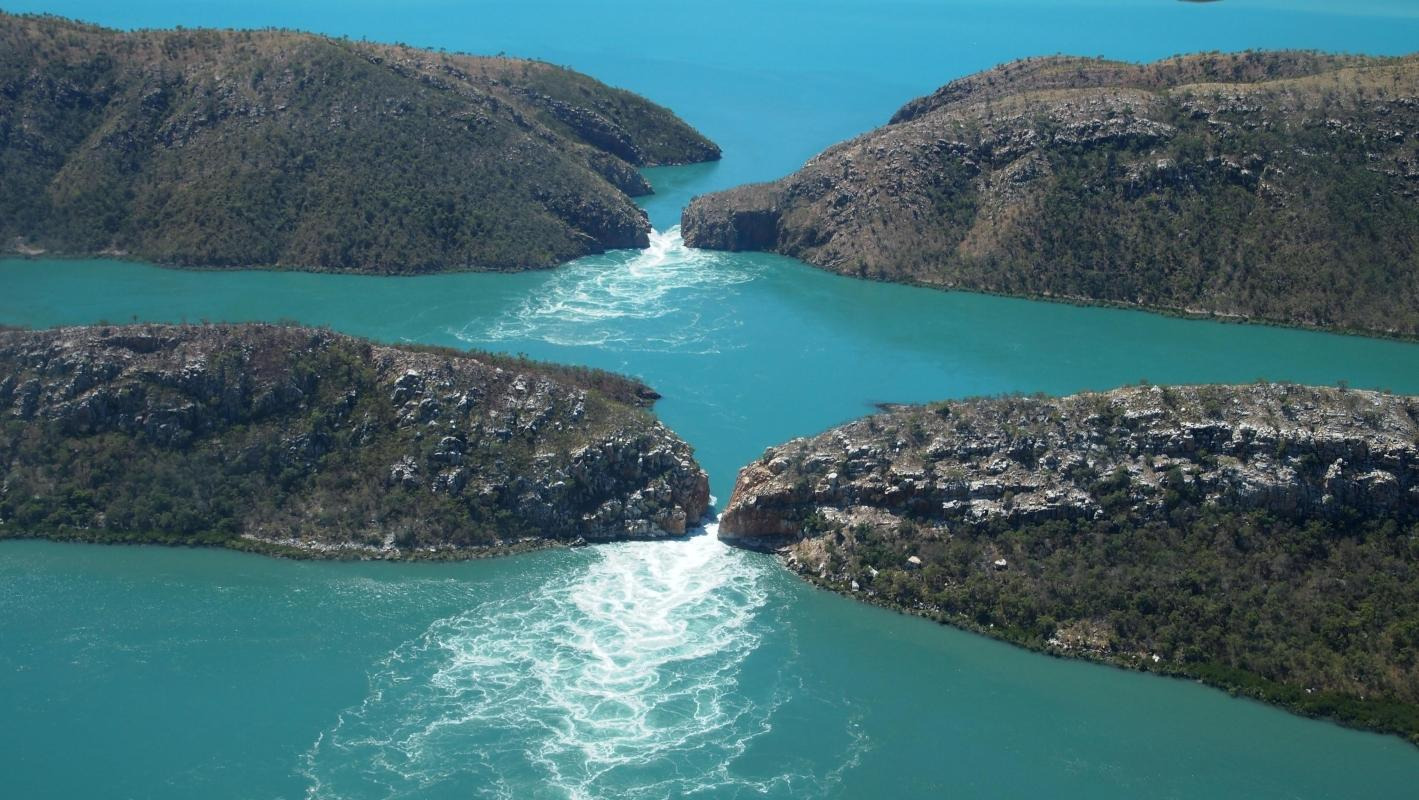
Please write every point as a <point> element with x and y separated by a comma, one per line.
<point>649,670</point>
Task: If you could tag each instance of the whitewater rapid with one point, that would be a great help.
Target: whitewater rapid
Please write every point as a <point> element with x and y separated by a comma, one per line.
<point>615,678</point>
<point>597,301</point>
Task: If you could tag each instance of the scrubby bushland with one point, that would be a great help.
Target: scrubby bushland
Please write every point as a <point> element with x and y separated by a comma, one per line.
<point>1281,187</point>
<point>281,149</point>
<point>1262,538</point>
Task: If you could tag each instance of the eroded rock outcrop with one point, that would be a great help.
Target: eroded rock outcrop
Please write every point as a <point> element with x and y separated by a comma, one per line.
<point>1287,450</point>
<point>1214,184</point>
<point>266,436</point>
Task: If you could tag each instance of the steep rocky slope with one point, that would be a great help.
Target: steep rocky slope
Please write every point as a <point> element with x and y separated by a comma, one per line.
<point>1264,538</point>
<point>303,441</point>
<point>274,148</point>
<point>1274,186</point>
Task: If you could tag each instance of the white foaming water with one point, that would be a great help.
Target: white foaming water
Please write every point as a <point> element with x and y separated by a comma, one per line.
<point>615,679</point>
<point>597,300</point>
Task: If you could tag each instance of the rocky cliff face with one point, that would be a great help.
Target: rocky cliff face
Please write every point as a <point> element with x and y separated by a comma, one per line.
<point>1226,185</point>
<point>272,148</point>
<point>1288,450</point>
<point>270,437</point>
<point>1261,538</point>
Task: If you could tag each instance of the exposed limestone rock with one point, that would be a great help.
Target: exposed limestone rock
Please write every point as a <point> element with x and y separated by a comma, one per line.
<point>1285,449</point>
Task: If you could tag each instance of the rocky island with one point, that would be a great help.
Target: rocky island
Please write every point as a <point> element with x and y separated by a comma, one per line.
<point>303,442</point>
<point>279,149</point>
<point>1262,538</point>
<point>1272,186</point>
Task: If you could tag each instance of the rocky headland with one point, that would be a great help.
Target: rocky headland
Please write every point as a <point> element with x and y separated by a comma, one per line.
<point>280,149</point>
<point>1272,186</point>
<point>303,442</point>
<point>1263,538</point>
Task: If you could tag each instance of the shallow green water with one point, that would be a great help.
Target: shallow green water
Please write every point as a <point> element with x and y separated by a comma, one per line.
<point>660,669</point>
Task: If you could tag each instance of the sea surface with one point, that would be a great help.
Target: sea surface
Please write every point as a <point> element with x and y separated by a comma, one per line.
<point>665,669</point>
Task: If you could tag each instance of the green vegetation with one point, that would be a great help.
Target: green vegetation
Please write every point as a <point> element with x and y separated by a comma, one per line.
<point>300,441</point>
<point>280,149</point>
<point>1280,187</point>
